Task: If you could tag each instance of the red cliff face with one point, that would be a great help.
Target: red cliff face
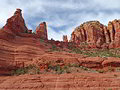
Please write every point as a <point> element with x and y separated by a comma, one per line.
<point>41,31</point>
<point>114,28</point>
<point>16,23</point>
<point>98,34</point>
<point>90,32</point>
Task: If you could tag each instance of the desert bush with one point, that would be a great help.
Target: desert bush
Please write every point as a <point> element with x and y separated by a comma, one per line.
<point>26,70</point>
<point>54,48</point>
<point>98,52</point>
<point>26,31</point>
<point>56,68</point>
<point>41,40</point>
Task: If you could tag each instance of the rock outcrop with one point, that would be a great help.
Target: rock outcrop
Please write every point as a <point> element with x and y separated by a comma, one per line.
<point>16,23</point>
<point>65,39</point>
<point>114,28</point>
<point>90,32</point>
<point>41,31</point>
<point>95,33</point>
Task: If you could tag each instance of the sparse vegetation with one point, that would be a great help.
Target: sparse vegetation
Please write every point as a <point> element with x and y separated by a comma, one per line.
<point>73,65</point>
<point>31,69</point>
<point>97,52</point>
<point>41,40</point>
<point>110,89</point>
<point>110,69</point>
<point>56,68</point>
<point>69,68</point>
<point>117,69</point>
<point>26,31</point>
<point>101,71</point>
<point>54,48</point>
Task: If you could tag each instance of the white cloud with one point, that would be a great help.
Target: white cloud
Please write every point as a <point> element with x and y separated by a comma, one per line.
<point>107,4</point>
<point>52,34</point>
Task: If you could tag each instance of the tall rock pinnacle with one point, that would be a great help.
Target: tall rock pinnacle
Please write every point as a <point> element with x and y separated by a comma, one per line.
<point>16,23</point>
<point>41,31</point>
<point>65,39</point>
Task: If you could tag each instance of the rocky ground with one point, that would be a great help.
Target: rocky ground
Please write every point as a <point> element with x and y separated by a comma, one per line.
<point>75,81</point>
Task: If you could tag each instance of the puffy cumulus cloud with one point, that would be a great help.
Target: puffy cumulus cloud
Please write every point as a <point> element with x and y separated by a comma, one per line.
<point>62,16</point>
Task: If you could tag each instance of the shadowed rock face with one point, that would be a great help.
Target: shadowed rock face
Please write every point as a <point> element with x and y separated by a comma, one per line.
<point>16,23</point>
<point>96,33</point>
<point>114,29</point>
<point>41,31</point>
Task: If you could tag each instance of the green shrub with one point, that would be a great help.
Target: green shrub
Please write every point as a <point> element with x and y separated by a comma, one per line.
<point>58,69</point>
<point>85,68</point>
<point>98,52</point>
<point>54,48</point>
<point>41,40</point>
<point>26,31</point>
<point>67,68</point>
<point>26,70</point>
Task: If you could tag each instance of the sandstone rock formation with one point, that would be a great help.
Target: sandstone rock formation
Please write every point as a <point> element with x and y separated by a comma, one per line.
<point>90,32</point>
<point>41,31</point>
<point>65,39</point>
<point>114,28</point>
<point>16,23</point>
<point>93,32</point>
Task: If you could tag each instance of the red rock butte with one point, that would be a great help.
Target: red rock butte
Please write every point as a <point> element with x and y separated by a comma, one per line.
<point>98,35</point>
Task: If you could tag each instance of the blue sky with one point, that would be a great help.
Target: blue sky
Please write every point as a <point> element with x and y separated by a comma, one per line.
<point>62,16</point>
